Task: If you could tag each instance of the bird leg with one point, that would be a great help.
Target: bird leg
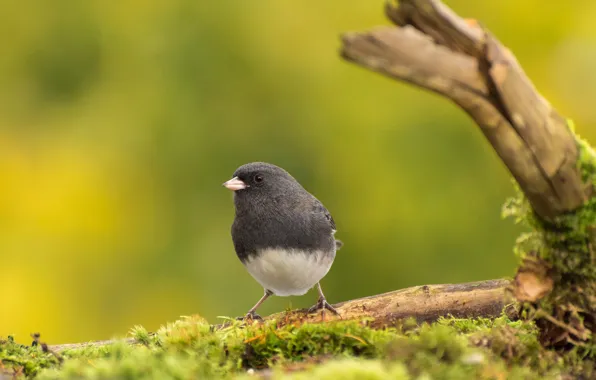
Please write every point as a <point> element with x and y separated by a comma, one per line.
<point>322,304</point>
<point>251,314</point>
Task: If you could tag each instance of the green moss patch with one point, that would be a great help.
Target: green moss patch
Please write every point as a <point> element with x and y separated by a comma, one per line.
<point>22,360</point>
<point>192,348</point>
<point>557,276</point>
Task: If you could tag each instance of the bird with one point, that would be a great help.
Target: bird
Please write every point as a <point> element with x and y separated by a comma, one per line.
<point>282,234</point>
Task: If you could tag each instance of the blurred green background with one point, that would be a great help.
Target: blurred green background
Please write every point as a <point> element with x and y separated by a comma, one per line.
<point>120,120</point>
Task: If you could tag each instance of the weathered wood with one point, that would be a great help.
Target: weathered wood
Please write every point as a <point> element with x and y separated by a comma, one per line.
<point>428,303</point>
<point>434,48</point>
<point>424,303</point>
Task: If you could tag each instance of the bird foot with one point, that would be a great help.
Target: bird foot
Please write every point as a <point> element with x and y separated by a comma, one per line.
<point>322,304</point>
<point>250,316</point>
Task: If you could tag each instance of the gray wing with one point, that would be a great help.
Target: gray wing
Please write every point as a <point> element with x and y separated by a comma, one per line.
<point>320,209</point>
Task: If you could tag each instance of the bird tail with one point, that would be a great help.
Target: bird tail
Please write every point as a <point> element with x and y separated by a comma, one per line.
<point>338,244</point>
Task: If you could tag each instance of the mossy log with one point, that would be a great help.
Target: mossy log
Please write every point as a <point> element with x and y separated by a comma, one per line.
<point>435,49</point>
<point>427,303</point>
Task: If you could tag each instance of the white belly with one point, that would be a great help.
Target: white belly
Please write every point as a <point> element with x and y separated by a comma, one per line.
<point>289,272</point>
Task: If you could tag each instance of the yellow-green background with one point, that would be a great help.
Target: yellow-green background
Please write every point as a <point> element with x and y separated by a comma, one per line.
<point>120,120</point>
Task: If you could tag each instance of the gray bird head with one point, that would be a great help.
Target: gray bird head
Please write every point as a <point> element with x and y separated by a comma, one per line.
<point>259,182</point>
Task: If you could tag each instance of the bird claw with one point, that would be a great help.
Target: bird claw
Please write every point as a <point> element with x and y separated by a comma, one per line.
<point>250,316</point>
<point>322,304</point>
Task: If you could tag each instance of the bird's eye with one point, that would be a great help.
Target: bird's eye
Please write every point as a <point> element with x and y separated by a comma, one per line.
<point>258,178</point>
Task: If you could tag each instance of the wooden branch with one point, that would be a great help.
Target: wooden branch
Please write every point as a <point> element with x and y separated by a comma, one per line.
<point>425,303</point>
<point>428,303</point>
<point>433,48</point>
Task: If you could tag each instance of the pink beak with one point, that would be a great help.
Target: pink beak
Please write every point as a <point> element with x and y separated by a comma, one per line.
<point>235,184</point>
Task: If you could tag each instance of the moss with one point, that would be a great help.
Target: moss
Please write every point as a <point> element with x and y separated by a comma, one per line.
<point>24,360</point>
<point>191,348</point>
<point>345,369</point>
<point>562,254</point>
<point>298,342</point>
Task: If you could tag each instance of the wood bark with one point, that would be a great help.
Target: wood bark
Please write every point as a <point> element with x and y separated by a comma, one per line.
<point>435,49</point>
<point>428,303</point>
<point>425,303</point>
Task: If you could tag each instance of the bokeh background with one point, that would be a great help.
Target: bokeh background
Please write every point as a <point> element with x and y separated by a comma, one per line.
<point>120,120</point>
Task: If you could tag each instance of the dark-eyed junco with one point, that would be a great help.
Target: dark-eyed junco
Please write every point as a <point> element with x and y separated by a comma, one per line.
<point>283,235</point>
